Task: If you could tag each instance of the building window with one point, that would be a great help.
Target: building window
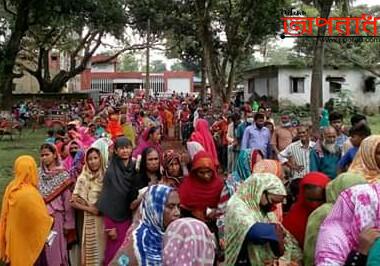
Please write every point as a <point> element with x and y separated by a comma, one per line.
<point>251,85</point>
<point>370,84</point>
<point>297,85</point>
<point>335,84</point>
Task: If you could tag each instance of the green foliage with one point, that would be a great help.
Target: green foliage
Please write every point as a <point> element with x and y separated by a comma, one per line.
<point>156,66</point>
<point>342,103</point>
<point>129,63</point>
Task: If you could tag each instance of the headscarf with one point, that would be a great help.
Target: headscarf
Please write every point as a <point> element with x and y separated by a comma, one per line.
<point>168,158</point>
<point>55,181</point>
<point>203,136</point>
<point>243,211</point>
<point>149,233</point>
<point>245,164</point>
<point>118,187</point>
<point>365,162</point>
<point>196,194</point>
<point>69,160</point>
<point>268,166</point>
<point>296,220</point>
<point>356,208</point>
<point>103,145</point>
<point>25,222</point>
<point>188,241</point>
<point>193,148</point>
<point>144,142</point>
<point>333,189</point>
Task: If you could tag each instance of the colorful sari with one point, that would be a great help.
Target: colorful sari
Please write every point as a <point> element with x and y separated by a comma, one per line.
<point>296,219</point>
<point>168,158</point>
<point>243,211</point>
<point>145,243</point>
<point>356,208</point>
<point>316,218</point>
<point>364,162</point>
<point>25,222</point>
<point>88,188</point>
<point>188,241</point>
<point>245,164</point>
<point>54,187</point>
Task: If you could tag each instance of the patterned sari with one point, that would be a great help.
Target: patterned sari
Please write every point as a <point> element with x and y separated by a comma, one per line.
<point>364,162</point>
<point>243,211</point>
<point>334,188</point>
<point>355,209</point>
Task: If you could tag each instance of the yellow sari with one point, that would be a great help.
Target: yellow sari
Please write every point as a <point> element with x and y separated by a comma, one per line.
<point>25,223</point>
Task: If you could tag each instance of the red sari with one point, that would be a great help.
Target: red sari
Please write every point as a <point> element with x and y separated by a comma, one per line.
<point>197,195</point>
<point>296,220</point>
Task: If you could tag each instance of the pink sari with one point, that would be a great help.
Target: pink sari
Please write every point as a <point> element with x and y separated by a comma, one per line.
<point>355,209</point>
<point>203,136</point>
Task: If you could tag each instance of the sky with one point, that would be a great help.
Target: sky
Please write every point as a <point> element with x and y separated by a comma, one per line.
<point>160,55</point>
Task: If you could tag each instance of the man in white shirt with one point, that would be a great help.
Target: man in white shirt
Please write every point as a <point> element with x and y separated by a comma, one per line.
<point>297,154</point>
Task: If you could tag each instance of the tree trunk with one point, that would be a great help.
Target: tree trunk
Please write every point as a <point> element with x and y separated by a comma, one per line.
<point>316,94</point>
<point>10,53</point>
<point>203,82</point>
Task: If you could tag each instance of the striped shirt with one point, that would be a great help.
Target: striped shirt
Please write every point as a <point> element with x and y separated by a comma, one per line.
<point>300,155</point>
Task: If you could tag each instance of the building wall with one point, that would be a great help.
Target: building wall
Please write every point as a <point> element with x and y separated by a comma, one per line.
<point>354,82</point>
<point>103,67</point>
<point>179,85</point>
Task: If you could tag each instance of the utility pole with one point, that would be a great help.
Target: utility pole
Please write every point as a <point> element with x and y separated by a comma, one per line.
<point>147,80</point>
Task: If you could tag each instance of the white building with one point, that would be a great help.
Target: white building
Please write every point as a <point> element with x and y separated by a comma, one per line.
<point>292,84</point>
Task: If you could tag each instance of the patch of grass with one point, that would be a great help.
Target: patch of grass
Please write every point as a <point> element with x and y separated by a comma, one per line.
<point>374,123</point>
<point>28,144</point>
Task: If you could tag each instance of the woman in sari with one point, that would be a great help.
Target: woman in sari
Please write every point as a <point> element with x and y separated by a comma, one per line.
<point>85,196</point>
<point>54,187</point>
<point>188,241</point>
<point>245,163</point>
<point>144,245</point>
<point>73,149</point>
<point>251,227</point>
<point>203,136</point>
<point>354,217</point>
<point>201,189</point>
<point>103,145</point>
<point>312,195</point>
<point>150,138</point>
<point>316,218</point>
<point>118,186</point>
<point>173,169</point>
<point>25,222</point>
<point>367,159</point>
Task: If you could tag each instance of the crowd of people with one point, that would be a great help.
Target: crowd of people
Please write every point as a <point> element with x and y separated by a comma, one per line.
<point>242,191</point>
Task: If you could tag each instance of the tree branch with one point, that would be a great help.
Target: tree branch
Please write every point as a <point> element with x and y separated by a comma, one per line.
<point>7,9</point>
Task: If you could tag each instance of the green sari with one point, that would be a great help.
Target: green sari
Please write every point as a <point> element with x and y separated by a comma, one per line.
<point>243,211</point>
<point>334,188</point>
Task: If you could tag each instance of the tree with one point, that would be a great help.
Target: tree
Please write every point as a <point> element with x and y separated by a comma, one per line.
<point>129,63</point>
<point>225,30</point>
<point>178,66</point>
<point>158,66</point>
<point>77,34</point>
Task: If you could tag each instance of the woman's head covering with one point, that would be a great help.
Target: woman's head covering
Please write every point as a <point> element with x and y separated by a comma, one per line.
<point>54,181</point>
<point>21,241</point>
<point>355,209</point>
<point>149,234</point>
<point>203,136</point>
<point>118,186</point>
<point>365,162</point>
<point>268,166</point>
<point>168,158</point>
<point>58,167</point>
<point>69,161</point>
<point>333,189</point>
<point>296,220</point>
<point>193,148</point>
<point>188,241</point>
<point>195,193</point>
<point>243,211</point>
<point>245,163</point>
<point>103,145</point>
